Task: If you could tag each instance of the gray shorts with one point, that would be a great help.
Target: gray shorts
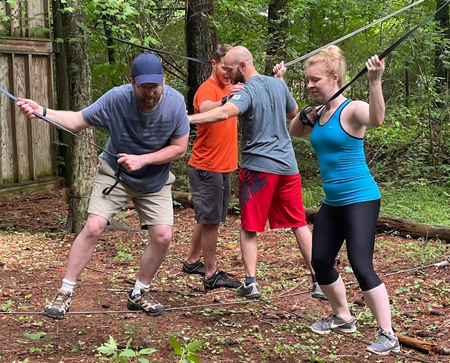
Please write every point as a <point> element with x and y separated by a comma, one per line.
<point>153,208</point>
<point>211,194</point>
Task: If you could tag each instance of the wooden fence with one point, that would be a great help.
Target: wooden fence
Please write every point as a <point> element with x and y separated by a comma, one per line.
<point>27,147</point>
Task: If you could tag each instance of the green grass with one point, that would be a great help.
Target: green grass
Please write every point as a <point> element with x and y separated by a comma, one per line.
<point>425,203</point>
<point>417,202</point>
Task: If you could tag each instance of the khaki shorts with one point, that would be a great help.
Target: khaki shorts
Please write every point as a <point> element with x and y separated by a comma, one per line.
<point>153,208</point>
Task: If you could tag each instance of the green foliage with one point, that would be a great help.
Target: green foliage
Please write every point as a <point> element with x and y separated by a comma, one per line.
<point>426,203</point>
<point>116,354</point>
<point>185,351</point>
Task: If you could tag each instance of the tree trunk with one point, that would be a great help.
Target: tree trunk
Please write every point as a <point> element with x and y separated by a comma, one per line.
<point>77,89</point>
<point>442,22</point>
<point>277,24</point>
<point>201,41</point>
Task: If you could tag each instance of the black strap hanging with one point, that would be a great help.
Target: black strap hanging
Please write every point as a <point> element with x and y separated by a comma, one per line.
<point>108,190</point>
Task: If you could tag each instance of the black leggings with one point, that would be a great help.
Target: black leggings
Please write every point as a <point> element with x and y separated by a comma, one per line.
<point>356,224</point>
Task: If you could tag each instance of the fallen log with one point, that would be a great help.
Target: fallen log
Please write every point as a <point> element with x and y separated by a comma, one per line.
<point>414,229</point>
<point>421,346</point>
<point>400,226</point>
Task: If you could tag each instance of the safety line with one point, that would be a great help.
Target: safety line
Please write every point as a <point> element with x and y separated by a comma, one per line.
<point>353,33</point>
<point>38,115</point>
<point>437,265</point>
<point>267,301</point>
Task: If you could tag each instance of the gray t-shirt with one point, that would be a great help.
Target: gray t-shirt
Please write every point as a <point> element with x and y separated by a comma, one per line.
<point>266,144</point>
<point>135,132</point>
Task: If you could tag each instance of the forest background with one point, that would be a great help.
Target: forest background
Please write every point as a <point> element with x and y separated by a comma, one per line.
<point>408,156</point>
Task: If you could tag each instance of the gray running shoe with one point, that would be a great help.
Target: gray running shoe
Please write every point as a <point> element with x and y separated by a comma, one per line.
<point>144,302</point>
<point>220,279</point>
<point>59,306</point>
<point>194,268</point>
<point>249,291</point>
<point>317,292</point>
<point>385,344</point>
<point>334,322</point>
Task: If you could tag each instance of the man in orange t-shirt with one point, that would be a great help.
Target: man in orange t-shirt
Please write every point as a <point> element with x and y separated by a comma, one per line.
<point>214,157</point>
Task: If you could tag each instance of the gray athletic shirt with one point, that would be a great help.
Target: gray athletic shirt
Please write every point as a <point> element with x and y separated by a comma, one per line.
<point>266,144</point>
<point>135,132</point>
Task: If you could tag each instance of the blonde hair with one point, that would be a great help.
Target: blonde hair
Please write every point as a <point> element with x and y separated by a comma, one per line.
<point>333,62</point>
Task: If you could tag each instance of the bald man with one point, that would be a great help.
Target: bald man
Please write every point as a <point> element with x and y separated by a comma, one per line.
<point>269,179</point>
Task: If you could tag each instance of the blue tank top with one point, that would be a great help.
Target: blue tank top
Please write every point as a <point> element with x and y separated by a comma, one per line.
<point>346,178</point>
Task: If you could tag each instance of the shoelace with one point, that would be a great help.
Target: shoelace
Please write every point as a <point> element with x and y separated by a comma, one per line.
<point>147,300</point>
<point>60,299</point>
<point>383,339</point>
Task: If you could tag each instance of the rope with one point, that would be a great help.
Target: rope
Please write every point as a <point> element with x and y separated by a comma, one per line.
<point>437,265</point>
<point>267,301</point>
<point>38,115</point>
<point>353,33</point>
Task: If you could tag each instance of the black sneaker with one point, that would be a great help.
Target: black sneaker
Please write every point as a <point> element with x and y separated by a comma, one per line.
<point>194,268</point>
<point>59,306</point>
<point>144,302</point>
<point>220,279</point>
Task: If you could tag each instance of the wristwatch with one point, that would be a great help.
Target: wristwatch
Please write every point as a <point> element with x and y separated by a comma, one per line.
<point>224,99</point>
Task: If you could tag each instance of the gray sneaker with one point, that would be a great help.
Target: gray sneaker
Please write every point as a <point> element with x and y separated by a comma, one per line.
<point>385,344</point>
<point>144,302</point>
<point>334,322</point>
<point>317,292</point>
<point>59,306</point>
<point>249,291</point>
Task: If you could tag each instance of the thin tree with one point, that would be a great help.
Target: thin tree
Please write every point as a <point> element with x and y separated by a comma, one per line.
<point>442,23</point>
<point>277,25</point>
<point>74,91</point>
<point>201,40</point>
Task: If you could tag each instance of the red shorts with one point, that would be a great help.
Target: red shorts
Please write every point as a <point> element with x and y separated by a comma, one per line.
<point>275,197</point>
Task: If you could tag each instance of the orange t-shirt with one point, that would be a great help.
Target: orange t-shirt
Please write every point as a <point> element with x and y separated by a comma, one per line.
<point>215,147</point>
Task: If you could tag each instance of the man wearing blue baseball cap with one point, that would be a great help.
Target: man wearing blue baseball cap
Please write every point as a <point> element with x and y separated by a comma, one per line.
<point>149,128</point>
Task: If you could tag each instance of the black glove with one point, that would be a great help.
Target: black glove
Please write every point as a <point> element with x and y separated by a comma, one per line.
<point>303,118</point>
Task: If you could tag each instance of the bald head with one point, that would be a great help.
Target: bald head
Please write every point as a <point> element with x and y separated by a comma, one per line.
<point>239,63</point>
<point>240,54</point>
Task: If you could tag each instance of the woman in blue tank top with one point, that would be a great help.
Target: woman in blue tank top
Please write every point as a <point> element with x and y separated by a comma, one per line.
<point>352,200</point>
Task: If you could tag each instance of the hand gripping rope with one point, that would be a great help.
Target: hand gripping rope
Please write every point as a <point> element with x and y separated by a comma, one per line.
<point>106,191</point>
<point>308,109</point>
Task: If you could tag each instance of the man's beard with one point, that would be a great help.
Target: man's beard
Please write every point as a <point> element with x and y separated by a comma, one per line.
<point>238,77</point>
<point>148,103</point>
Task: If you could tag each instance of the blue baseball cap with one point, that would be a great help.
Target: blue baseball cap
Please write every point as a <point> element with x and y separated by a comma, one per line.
<point>147,68</point>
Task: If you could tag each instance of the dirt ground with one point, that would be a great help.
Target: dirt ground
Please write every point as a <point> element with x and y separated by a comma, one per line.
<point>33,253</point>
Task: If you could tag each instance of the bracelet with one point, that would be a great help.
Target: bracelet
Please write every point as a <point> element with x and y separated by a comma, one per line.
<point>44,111</point>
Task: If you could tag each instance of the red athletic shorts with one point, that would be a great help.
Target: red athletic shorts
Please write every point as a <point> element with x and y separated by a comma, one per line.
<point>275,197</point>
